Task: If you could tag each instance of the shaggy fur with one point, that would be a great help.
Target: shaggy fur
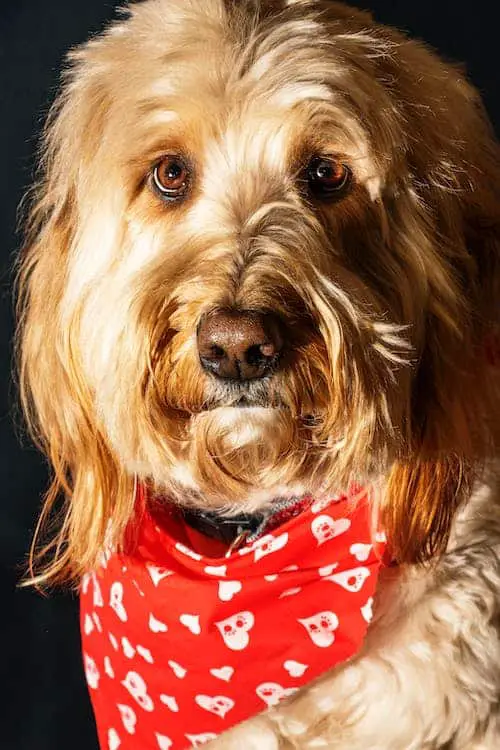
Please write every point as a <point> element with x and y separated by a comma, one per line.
<point>388,295</point>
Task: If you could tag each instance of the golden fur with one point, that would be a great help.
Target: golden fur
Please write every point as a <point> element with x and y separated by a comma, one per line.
<point>390,292</point>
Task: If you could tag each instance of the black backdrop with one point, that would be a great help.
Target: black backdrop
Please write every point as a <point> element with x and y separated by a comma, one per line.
<point>47,706</point>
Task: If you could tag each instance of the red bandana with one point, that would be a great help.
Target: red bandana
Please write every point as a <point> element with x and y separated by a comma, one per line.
<point>179,646</point>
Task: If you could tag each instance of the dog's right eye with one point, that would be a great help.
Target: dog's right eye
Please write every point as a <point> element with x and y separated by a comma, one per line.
<point>328,178</point>
<point>170,177</point>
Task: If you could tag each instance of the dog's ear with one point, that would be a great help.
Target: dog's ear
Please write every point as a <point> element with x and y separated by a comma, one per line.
<point>56,400</point>
<point>454,416</point>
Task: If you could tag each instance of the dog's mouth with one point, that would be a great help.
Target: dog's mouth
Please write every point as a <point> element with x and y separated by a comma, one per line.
<point>243,395</point>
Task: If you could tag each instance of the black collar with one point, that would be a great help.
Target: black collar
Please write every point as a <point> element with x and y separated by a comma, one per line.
<point>225,529</point>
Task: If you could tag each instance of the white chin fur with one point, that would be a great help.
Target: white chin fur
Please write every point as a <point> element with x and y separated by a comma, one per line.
<point>243,425</point>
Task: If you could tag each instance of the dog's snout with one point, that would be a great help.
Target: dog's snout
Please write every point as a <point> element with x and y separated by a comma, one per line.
<point>240,345</point>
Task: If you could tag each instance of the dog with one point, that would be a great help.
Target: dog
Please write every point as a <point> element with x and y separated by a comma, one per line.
<point>263,261</point>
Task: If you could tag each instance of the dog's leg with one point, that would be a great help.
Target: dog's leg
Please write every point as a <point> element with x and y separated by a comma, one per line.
<point>429,675</point>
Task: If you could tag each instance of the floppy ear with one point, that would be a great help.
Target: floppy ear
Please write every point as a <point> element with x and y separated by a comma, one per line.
<point>55,398</point>
<point>454,417</point>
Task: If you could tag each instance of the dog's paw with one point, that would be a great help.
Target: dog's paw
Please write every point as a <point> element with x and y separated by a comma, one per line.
<point>314,719</point>
<point>254,734</point>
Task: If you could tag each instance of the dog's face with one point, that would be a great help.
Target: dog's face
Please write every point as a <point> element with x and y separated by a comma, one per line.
<point>258,254</point>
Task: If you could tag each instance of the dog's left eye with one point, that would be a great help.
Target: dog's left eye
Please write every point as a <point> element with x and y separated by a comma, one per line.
<point>170,177</point>
<point>327,178</point>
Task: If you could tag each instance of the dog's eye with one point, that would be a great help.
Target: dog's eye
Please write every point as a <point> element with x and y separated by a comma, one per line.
<point>327,178</point>
<point>171,177</point>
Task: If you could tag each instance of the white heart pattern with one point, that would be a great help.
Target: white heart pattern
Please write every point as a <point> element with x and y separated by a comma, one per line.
<point>197,740</point>
<point>227,589</point>
<point>113,739</point>
<point>157,573</point>
<point>91,672</point>
<point>350,580</point>
<point>116,600</point>
<point>156,626</point>
<point>88,625</point>
<point>234,630</point>
<point>186,551</point>
<point>176,668</point>
<point>215,570</point>
<point>164,742</point>
<point>367,610</point>
<point>97,621</point>
<point>295,668</point>
<point>98,600</point>
<point>290,592</point>
<point>327,570</point>
<point>127,648</point>
<point>137,688</point>
<point>325,528</point>
<point>360,551</point>
<point>321,628</point>
<point>222,673</point>
<point>323,503</point>
<point>192,623</point>
<point>129,719</point>
<point>108,668</point>
<point>170,702</point>
<point>217,704</point>
<point>145,653</point>
<point>272,693</point>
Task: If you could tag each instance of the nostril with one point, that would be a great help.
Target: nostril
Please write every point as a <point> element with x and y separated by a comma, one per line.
<point>259,354</point>
<point>217,352</point>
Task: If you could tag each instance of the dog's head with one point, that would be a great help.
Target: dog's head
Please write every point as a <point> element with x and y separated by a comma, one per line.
<point>263,260</point>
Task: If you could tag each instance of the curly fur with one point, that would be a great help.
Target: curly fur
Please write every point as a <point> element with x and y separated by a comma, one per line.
<point>390,294</point>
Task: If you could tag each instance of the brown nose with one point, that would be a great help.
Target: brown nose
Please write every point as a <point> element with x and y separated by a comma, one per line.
<point>240,345</point>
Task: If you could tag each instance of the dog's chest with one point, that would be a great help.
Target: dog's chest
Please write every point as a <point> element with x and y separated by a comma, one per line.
<point>178,647</point>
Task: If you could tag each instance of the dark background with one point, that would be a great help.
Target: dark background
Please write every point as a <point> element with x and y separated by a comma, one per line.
<point>47,705</point>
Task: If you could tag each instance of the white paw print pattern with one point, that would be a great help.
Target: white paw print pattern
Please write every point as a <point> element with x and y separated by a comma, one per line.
<point>321,628</point>
<point>235,630</point>
<point>137,688</point>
